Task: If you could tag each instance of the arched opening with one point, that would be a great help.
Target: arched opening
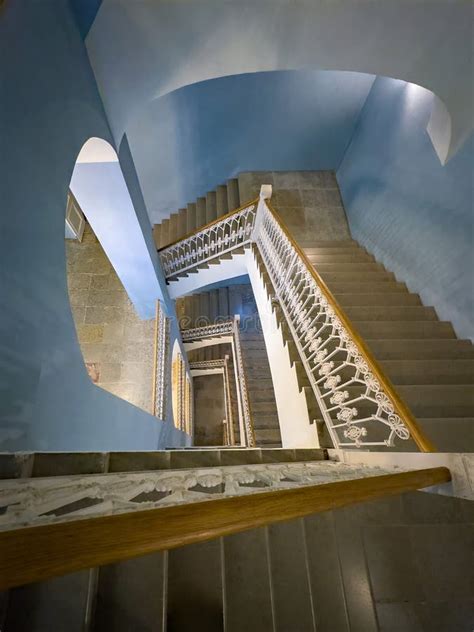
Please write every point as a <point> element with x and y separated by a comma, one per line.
<point>106,262</point>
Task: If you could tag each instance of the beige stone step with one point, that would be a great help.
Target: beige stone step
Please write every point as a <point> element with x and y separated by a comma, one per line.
<point>403,349</point>
<point>405,329</point>
<point>419,372</point>
<point>211,207</point>
<point>382,299</point>
<point>449,434</point>
<point>308,243</point>
<point>268,436</point>
<point>361,268</point>
<point>366,287</point>
<point>456,371</point>
<point>427,400</point>
<point>355,258</point>
<point>389,313</point>
<point>355,276</point>
<point>233,197</point>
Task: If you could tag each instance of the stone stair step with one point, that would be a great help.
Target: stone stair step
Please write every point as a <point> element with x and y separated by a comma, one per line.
<point>248,598</point>
<point>195,588</point>
<point>290,582</point>
<point>324,568</point>
<point>211,207</point>
<point>361,268</point>
<point>385,299</point>
<point>407,349</point>
<point>367,287</point>
<point>233,197</point>
<point>60,604</point>
<point>307,243</point>
<point>157,235</point>
<point>405,330</point>
<point>130,595</point>
<point>457,371</point>
<point>445,400</point>
<point>222,204</point>
<point>356,276</point>
<point>343,257</point>
<point>201,212</point>
<point>182,222</point>
<point>268,436</point>
<point>450,434</point>
<point>388,313</point>
<point>191,217</point>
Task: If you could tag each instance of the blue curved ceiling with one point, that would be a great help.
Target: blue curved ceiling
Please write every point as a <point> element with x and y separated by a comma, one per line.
<point>189,141</point>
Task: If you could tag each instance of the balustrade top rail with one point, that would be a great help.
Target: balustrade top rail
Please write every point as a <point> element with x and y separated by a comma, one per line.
<point>36,553</point>
<point>360,406</point>
<point>226,327</point>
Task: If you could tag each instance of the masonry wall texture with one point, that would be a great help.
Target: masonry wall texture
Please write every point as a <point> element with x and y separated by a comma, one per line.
<point>116,344</point>
<point>304,199</point>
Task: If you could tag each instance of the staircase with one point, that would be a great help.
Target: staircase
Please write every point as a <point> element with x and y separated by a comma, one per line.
<point>221,304</point>
<point>432,370</point>
<point>206,209</point>
<point>383,565</point>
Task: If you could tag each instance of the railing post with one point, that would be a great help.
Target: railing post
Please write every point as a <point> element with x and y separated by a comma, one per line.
<point>265,194</point>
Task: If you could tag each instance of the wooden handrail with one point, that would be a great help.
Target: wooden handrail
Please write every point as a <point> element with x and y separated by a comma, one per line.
<point>31,554</point>
<point>206,226</point>
<point>421,440</point>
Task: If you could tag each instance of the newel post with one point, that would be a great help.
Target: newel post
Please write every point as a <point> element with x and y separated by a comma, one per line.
<point>265,194</point>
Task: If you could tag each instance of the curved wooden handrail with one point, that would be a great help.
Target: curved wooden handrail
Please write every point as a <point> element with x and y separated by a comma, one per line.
<point>421,440</point>
<point>31,554</point>
<point>209,225</point>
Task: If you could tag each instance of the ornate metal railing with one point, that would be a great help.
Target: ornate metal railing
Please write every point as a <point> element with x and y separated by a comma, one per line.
<point>357,401</point>
<point>230,328</point>
<point>225,234</point>
<point>35,501</point>
<point>225,327</point>
<point>242,386</point>
<point>160,362</point>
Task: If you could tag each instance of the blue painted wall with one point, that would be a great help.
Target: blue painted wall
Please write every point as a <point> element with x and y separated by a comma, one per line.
<point>49,107</point>
<point>85,11</point>
<point>192,139</point>
<point>414,214</point>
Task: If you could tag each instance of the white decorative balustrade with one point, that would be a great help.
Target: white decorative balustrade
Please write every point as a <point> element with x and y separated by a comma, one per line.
<point>229,329</point>
<point>225,327</point>
<point>217,239</point>
<point>352,401</point>
<point>35,501</point>
<point>356,401</point>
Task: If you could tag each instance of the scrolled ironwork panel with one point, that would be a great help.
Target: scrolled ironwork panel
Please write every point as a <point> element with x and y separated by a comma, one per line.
<point>357,411</point>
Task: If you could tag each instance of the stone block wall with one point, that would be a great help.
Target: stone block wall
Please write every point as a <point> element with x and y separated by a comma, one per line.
<point>116,344</point>
<point>309,202</point>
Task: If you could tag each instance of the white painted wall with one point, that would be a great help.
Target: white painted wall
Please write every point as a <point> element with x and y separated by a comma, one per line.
<point>296,430</point>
